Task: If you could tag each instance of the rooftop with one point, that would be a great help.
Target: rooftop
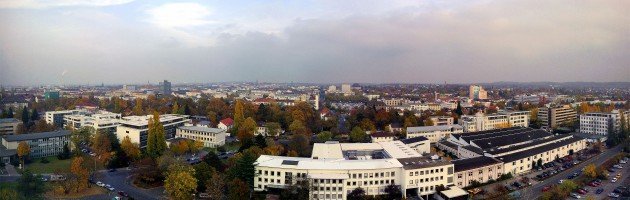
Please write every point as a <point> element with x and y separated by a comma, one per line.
<point>382,134</point>
<point>504,140</point>
<point>34,136</point>
<point>537,150</point>
<point>325,164</point>
<point>473,163</point>
<point>201,129</point>
<point>414,140</point>
<point>421,162</point>
<point>433,128</point>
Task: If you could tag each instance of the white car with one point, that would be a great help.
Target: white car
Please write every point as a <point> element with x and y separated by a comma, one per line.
<point>100,184</point>
<point>560,181</point>
<point>613,195</point>
<point>613,180</point>
<point>575,195</point>
<point>111,188</point>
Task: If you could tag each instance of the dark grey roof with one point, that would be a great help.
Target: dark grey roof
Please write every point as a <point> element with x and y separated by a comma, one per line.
<point>4,152</point>
<point>486,132</point>
<point>421,162</point>
<point>496,133</point>
<point>472,163</point>
<point>521,146</point>
<point>510,139</point>
<point>34,136</point>
<point>473,149</point>
<point>537,150</point>
<point>9,120</point>
<point>449,144</point>
<point>414,140</point>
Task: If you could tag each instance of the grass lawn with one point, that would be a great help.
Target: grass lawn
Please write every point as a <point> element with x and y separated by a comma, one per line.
<point>94,190</point>
<point>36,167</point>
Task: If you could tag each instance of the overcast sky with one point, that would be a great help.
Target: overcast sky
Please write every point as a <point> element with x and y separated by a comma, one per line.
<point>127,41</point>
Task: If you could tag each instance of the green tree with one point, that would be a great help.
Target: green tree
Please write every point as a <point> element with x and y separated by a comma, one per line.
<point>239,116</point>
<point>214,161</point>
<point>244,168</point>
<point>300,144</point>
<point>25,118</point>
<point>215,186</point>
<point>156,140</point>
<point>273,128</point>
<point>297,191</point>
<point>138,109</point>
<point>324,136</point>
<point>393,192</point>
<point>180,182</point>
<point>203,173</point>
<point>358,135</point>
<point>30,186</point>
<point>357,194</point>
<point>34,115</point>
<point>175,108</point>
<point>238,190</point>
<point>10,113</point>
<point>459,110</point>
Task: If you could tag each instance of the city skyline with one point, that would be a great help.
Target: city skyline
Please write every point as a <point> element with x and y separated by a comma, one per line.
<point>126,41</point>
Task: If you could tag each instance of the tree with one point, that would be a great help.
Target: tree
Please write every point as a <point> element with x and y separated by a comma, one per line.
<point>300,144</point>
<point>215,186</point>
<point>175,108</point>
<point>30,186</point>
<point>214,161</point>
<point>8,193</point>
<point>82,135</point>
<point>237,190</point>
<point>459,110</point>
<point>393,192</point>
<point>297,191</point>
<point>137,109</point>
<point>428,122</point>
<point>194,146</point>
<point>34,115</point>
<point>273,129</point>
<point>25,118</point>
<point>274,149</point>
<point>81,172</point>
<point>539,162</point>
<point>324,136</point>
<point>249,126</point>
<point>102,147</point>
<point>590,170</point>
<point>358,135</point>
<point>23,150</point>
<point>239,116</point>
<point>203,173</point>
<point>10,113</point>
<point>260,141</point>
<point>243,166</point>
<point>366,124</point>
<point>65,154</point>
<point>357,194</point>
<point>131,149</point>
<point>297,127</point>
<point>156,140</point>
<point>180,182</point>
<point>179,148</point>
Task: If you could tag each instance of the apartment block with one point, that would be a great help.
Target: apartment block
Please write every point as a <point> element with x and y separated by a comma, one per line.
<point>210,137</point>
<point>137,127</point>
<point>600,123</point>
<point>8,126</point>
<point>502,119</point>
<point>41,144</point>
<point>553,117</point>
<point>442,120</point>
<point>103,121</point>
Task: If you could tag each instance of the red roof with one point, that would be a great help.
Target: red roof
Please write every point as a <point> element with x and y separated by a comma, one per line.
<point>227,121</point>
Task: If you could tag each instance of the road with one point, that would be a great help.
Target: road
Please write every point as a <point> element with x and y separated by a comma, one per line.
<point>535,191</point>
<point>121,180</point>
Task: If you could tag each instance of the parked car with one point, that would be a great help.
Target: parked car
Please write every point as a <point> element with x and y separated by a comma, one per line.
<point>582,191</point>
<point>570,177</point>
<point>613,195</point>
<point>122,193</point>
<point>546,188</point>
<point>110,188</point>
<point>204,195</point>
<point>100,184</point>
<point>560,181</point>
<point>614,180</point>
<point>575,195</point>
<point>593,184</point>
<point>599,191</point>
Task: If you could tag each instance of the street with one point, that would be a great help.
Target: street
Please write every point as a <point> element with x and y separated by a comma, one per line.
<point>121,181</point>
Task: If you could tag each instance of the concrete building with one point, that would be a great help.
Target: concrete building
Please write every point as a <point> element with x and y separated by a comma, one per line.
<point>166,88</point>
<point>41,144</point>
<point>553,117</point>
<point>8,126</point>
<point>137,127</point>
<point>57,117</point>
<point>52,95</point>
<point>502,119</point>
<point>332,89</point>
<point>516,147</point>
<point>211,137</point>
<point>434,133</point>
<point>600,123</point>
<point>481,169</point>
<point>421,144</point>
<point>382,136</point>
<point>17,103</point>
<point>477,92</point>
<point>100,120</point>
<point>335,169</point>
<point>442,120</point>
<point>346,88</point>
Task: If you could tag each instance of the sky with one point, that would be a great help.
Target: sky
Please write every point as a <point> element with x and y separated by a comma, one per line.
<point>48,42</point>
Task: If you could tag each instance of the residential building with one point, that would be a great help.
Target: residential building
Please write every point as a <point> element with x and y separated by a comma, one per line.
<point>8,126</point>
<point>17,103</point>
<point>600,123</point>
<point>137,127</point>
<point>52,95</point>
<point>434,133</point>
<point>395,127</point>
<point>41,144</point>
<point>335,169</point>
<point>481,169</point>
<point>346,88</point>
<point>502,119</point>
<point>382,136</point>
<point>477,92</point>
<point>210,137</point>
<point>442,120</point>
<point>226,124</point>
<point>553,117</point>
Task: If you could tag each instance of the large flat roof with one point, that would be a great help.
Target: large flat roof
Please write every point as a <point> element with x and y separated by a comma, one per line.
<point>473,163</point>
<point>324,164</point>
<point>515,138</point>
<point>538,150</point>
<point>34,136</point>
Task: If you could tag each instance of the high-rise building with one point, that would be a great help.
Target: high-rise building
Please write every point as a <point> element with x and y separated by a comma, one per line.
<point>600,123</point>
<point>477,92</point>
<point>346,88</point>
<point>166,87</point>
<point>552,117</point>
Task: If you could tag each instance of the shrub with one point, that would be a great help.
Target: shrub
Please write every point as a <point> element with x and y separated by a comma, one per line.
<point>44,160</point>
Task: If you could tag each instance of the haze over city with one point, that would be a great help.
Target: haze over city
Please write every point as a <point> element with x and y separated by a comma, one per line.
<point>127,41</point>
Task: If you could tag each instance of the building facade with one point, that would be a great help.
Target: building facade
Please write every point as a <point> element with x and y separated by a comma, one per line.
<point>434,133</point>
<point>553,117</point>
<point>502,119</point>
<point>102,121</point>
<point>477,92</point>
<point>210,137</point>
<point>57,117</point>
<point>137,127</point>
<point>41,144</point>
<point>442,120</point>
<point>600,123</point>
<point>481,169</point>
<point>8,126</point>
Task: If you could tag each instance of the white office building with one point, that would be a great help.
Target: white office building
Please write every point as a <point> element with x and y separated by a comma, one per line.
<point>210,137</point>
<point>502,119</point>
<point>434,133</point>
<point>600,123</point>
<point>336,169</point>
<point>57,117</point>
<point>102,121</point>
<point>137,127</point>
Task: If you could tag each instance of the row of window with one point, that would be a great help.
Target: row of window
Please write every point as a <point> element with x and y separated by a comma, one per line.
<point>420,172</point>
<point>416,181</point>
<point>373,175</point>
<point>368,183</point>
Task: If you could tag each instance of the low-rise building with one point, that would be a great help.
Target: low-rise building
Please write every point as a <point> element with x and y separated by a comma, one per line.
<point>553,117</point>
<point>442,120</point>
<point>502,119</point>
<point>210,137</point>
<point>137,127</point>
<point>57,117</point>
<point>102,121</point>
<point>434,133</point>
<point>226,124</point>
<point>8,126</point>
<point>481,169</point>
<point>382,136</point>
<point>41,144</point>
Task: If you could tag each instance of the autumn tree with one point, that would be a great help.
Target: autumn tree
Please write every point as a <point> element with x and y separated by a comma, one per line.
<point>179,148</point>
<point>300,144</point>
<point>81,172</point>
<point>131,149</point>
<point>358,135</point>
<point>137,109</point>
<point>273,129</point>
<point>23,150</point>
<point>175,108</point>
<point>237,190</point>
<point>156,140</point>
<point>180,182</point>
<point>247,129</point>
<point>203,173</point>
<point>590,170</point>
<point>239,116</point>
<point>324,136</point>
<point>102,147</point>
<point>215,186</point>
